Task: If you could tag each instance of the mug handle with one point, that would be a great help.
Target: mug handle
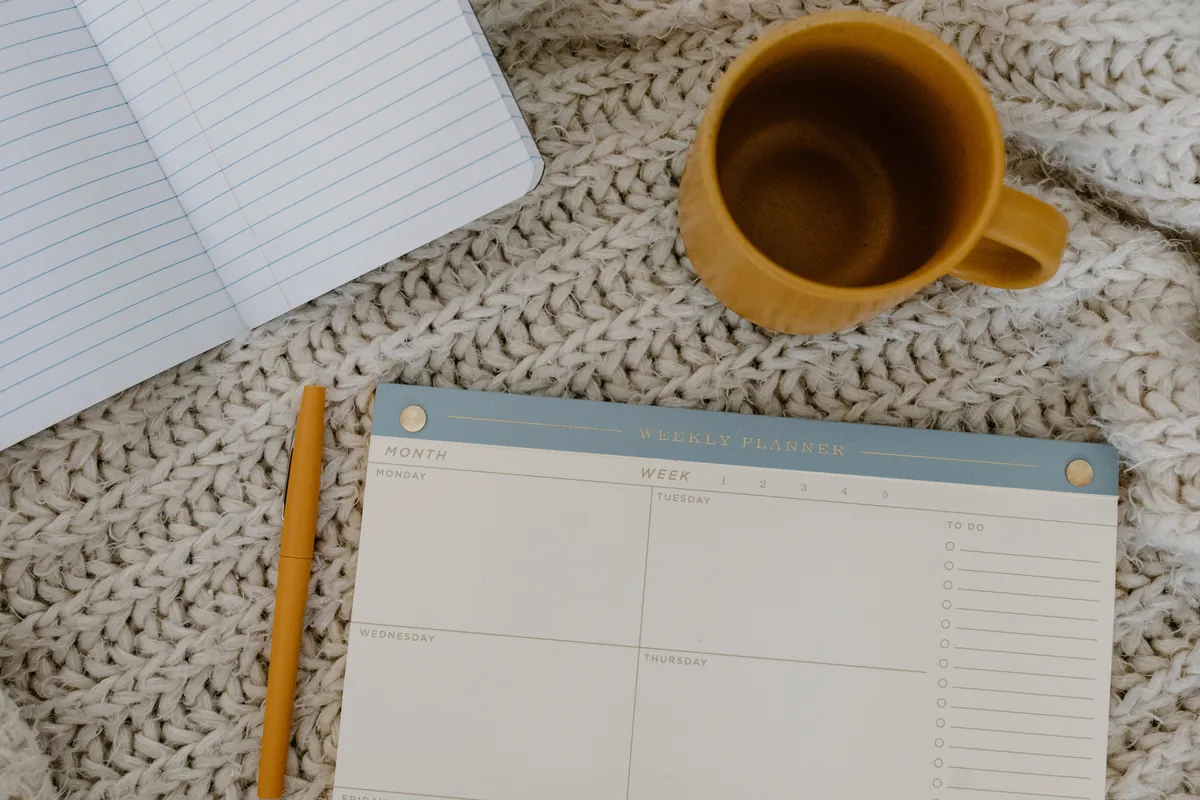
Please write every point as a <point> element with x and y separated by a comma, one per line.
<point>1022,246</point>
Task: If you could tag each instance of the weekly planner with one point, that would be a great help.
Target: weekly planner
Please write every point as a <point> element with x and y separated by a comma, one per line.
<point>560,598</point>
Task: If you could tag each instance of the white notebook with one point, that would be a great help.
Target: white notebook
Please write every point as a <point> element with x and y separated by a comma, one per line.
<point>563,599</point>
<point>174,172</point>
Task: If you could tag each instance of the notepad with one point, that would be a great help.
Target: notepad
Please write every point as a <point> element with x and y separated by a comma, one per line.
<point>175,172</point>
<point>560,598</point>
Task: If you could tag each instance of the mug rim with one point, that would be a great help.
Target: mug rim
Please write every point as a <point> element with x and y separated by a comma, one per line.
<point>932,269</point>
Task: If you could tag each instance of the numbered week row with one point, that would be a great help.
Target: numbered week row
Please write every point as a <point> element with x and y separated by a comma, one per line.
<point>978,503</point>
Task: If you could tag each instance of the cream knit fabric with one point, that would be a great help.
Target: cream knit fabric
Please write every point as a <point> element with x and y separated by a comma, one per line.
<point>138,540</point>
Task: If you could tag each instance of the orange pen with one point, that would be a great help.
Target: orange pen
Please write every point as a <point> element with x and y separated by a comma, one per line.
<point>291,590</point>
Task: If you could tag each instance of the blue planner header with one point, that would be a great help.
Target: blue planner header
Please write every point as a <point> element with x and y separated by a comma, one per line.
<point>546,423</point>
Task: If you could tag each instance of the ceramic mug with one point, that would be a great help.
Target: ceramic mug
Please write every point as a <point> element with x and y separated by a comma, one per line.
<point>846,160</point>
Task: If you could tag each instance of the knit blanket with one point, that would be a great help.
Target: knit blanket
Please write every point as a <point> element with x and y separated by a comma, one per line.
<point>138,540</point>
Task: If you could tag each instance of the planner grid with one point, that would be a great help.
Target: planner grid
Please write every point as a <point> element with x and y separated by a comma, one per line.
<point>599,625</point>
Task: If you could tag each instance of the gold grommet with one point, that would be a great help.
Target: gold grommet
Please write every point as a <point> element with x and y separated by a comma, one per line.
<point>1079,473</point>
<point>412,419</point>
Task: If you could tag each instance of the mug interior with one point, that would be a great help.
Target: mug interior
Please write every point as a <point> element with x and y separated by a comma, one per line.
<point>855,153</point>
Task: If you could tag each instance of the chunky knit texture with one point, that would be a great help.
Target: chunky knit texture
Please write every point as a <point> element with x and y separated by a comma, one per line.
<point>138,540</point>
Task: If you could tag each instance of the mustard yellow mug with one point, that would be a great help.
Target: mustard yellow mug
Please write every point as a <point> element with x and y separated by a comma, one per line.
<point>846,160</point>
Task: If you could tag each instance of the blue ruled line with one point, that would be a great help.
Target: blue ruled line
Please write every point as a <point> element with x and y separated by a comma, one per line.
<point>70,166</point>
<point>115,360</point>
<point>133,21</point>
<point>64,122</point>
<point>80,186</point>
<point>236,209</point>
<point>237,36</point>
<point>330,60</point>
<point>50,80</point>
<point>102,16</point>
<point>311,121</point>
<point>200,183</point>
<point>260,48</point>
<point>158,7</point>
<point>261,244</point>
<point>358,96</point>
<point>212,199</point>
<point>44,36</point>
<point>197,34</point>
<point>164,28</point>
<point>339,131</point>
<point>68,144</point>
<point>401,149</point>
<point>34,16</point>
<point>94,298</point>
<point>161,106</point>
<point>240,255</point>
<point>46,58</point>
<point>94,274</point>
<point>405,71</point>
<point>56,102</point>
<point>406,219</point>
<point>77,210</point>
<point>131,48</point>
<point>243,254</point>
<point>275,261</point>
<point>97,321</point>
<point>260,291</point>
<point>184,118</point>
<point>154,60</point>
<point>206,152</point>
<point>244,206</point>
<point>88,230</point>
<point>291,56</point>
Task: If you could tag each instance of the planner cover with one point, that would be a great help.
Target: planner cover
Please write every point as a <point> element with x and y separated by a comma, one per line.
<point>560,598</point>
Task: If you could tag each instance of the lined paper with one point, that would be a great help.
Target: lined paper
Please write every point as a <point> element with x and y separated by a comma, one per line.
<point>1026,706</point>
<point>103,281</point>
<point>172,172</point>
<point>310,141</point>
